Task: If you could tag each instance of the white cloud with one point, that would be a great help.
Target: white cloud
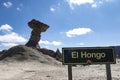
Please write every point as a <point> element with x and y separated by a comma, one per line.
<point>52,9</point>
<point>9,38</point>
<point>7,4</point>
<point>92,3</point>
<point>77,32</point>
<point>73,3</point>
<point>8,44</point>
<point>18,9</point>
<point>6,27</point>
<point>81,44</point>
<point>12,37</point>
<point>55,43</point>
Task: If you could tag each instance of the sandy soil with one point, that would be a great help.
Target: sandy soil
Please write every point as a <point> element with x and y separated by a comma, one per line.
<point>33,70</point>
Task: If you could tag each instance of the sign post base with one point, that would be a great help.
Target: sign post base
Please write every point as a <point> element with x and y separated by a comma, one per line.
<point>108,72</point>
<point>69,72</point>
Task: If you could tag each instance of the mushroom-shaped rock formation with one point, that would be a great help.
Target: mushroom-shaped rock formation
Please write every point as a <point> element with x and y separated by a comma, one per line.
<point>37,27</point>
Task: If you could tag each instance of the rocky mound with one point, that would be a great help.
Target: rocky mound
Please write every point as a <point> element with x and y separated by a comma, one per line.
<point>22,53</point>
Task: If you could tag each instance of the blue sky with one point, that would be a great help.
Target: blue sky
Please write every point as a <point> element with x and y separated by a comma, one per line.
<point>73,23</point>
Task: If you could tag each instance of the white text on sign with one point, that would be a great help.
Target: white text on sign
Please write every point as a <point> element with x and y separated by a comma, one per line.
<point>84,54</point>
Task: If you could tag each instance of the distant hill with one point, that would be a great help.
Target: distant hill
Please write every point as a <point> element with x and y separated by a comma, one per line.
<point>117,51</point>
<point>42,55</point>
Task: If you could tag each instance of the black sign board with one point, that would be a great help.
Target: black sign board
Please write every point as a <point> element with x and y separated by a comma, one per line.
<point>88,55</point>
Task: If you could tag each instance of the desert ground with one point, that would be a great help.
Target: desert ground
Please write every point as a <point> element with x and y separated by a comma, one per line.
<point>35,70</point>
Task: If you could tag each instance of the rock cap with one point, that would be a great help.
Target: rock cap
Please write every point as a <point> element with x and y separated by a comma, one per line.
<point>37,25</point>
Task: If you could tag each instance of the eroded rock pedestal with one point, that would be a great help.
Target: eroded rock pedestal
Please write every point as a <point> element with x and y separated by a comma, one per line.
<point>37,27</point>
<point>22,52</point>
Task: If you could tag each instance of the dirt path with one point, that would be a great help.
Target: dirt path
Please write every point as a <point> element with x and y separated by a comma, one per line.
<point>32,70</point>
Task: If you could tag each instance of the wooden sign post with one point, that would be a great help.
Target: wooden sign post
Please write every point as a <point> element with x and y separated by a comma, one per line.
<point>69,72</point>
<point>89,55</point>
<point>108,72</point>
